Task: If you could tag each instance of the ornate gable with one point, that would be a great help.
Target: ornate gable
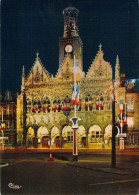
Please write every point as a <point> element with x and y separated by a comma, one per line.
<point>38,73</point>
<point>66,71</point>
<point>99,67</point>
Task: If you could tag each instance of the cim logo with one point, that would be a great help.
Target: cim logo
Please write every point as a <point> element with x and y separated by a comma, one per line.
<point>15,187</point>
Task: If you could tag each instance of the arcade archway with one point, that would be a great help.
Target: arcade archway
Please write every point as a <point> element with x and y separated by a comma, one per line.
<point>67,135</point>
<point>43,136</point>
<point>81,136</point>
<point>55,136</point>
<point>108,134</point>
<point>95,136</point>
<point>30,136</point>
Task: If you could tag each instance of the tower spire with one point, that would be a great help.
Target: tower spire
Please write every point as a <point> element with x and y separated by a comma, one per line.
<point>117,60</point>
<point>37,55</point>
<point>117,70</point>
<point>23,79</point>
<point>100,47</point>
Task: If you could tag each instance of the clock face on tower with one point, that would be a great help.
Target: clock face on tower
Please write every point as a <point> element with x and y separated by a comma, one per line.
<point>68,48</point>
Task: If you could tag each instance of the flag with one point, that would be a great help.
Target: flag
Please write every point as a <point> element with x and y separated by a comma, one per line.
<point>72,97</point>
<point>75,96</point>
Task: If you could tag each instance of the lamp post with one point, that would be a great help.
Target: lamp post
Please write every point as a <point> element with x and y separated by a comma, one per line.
<point>75,143</point>
<point>50,143</point>
<point>113,155</point>
<point>122,123</point>
<point>2,128</point>
<point>75,119</point>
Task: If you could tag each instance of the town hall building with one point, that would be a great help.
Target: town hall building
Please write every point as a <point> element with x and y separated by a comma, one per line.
<point>44,105</point>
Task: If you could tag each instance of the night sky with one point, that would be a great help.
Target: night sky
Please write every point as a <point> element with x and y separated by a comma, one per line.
<point>28,26</point>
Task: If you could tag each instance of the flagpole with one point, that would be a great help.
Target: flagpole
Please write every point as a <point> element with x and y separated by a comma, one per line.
<point>121,123</point>
<point>75,119</point>
<point>2,129</point>
<point>75,147</point>
<point>74,87</point>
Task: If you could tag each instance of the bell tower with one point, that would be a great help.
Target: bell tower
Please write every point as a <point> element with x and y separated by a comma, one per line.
<point>71,42</point>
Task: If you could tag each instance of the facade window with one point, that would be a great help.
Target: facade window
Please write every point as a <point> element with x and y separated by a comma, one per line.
<point>56,104</point>
<point>65,106</point>
<point>70,136</point>
<point>36,106</point>
<point>129,102</point>
<point>99,102</point>
<point>88,103</point>
<point>130,122</point>
<point>96,136</point>
<point>46,105</point>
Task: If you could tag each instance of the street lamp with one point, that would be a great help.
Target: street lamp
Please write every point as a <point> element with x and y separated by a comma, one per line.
<point>122,123</point>
<point>75,143</point>
<point>2,128</point>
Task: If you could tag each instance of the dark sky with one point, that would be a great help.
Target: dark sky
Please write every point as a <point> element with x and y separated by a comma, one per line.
<point>28,26</point>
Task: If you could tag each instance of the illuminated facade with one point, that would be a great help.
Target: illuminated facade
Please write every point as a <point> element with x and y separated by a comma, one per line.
<point>8,102</point>
<point>44,104</point>
<point>132,105</point>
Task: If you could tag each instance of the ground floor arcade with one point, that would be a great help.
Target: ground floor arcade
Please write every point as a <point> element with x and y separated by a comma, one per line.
<point>93,137</point>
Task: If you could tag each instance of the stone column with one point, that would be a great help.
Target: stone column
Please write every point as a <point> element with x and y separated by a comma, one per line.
<point>24,138</point>
<point>60,139</point>
<point>35,133</point>
<point>87,139</point>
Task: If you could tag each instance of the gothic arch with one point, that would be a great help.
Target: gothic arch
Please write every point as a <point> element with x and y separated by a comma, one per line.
<point>42,131</point>
<point>95,134</point>
<point>29,125</point>
<point>81,132</point>
<point>55,125</point>
<point>34,126</point>
<point>42,124</point>
<point>30,131</point>
<point>65,124</point>
<point>108,131</point>
<point>55,132</point>
<point>97,124</point>
<point>93,127</point>
<point>30,135</point>
<point>67,133</point>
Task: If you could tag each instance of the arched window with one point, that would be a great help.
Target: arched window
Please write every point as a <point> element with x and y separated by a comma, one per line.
<point>65,106</point>
<point>99,102</point>
<point>67,133</point>
<point>95,133</point>
<point>88,103</point>
<point>56,104</point>
<point>46,105</point>
<point>36,105</point>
